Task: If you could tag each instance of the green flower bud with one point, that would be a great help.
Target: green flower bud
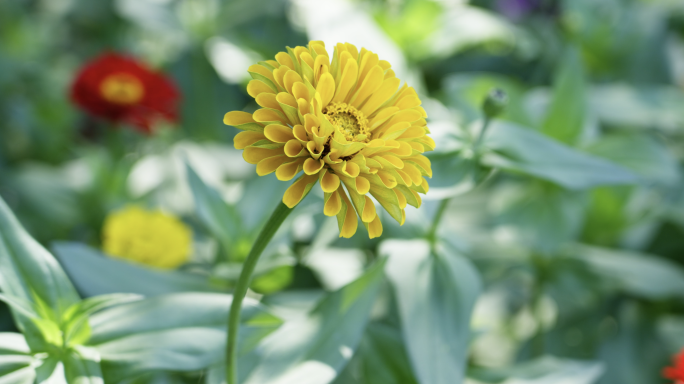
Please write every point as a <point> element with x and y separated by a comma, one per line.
<point>495,103</point>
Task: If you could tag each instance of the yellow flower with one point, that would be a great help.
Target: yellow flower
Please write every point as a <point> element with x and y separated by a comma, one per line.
<point>345,122</point>
<point>147,237</point>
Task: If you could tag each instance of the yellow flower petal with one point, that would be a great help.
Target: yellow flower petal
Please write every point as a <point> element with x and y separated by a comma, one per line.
<point>374,228</point>
<point>257,87</point>
<point>254,155</point>
<point>346,218</point>
<point>247,138</point>
<point>294,194</point>
<point>278,133</point>
<point>311,166</point>
<point>333,204</point>
<point>270,164</point>
<point>326,88</point>
<point>368,214</point>
<point>329,181</point>
<point>347,81</point>
<point>288,171</point>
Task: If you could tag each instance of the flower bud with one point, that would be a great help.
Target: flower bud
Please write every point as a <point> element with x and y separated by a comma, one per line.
<point>495,103</point>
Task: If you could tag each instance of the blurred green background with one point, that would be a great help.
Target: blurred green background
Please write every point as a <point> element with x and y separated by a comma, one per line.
<point>578,233</point>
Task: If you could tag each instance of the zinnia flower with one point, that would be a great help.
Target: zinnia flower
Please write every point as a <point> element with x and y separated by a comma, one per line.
<point>676,372</point>
<point>345,122</point>
<point>148,237</point>
<point>123,90</point>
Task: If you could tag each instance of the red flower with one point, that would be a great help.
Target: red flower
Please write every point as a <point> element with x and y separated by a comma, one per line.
<point>123,90</point>
<point>676,372</point>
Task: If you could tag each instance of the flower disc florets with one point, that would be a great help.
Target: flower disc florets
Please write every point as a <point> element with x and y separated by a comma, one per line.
<point>346,123</point>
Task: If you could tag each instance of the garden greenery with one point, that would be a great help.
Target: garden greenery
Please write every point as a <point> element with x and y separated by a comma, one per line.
<point>147,236</point>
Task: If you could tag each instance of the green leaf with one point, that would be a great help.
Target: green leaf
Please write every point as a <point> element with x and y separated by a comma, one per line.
<point>16,363</point>
<point>316,347</point>
<point>221,219</point>
<point>82,366</point>
<point>381,358</point>
<point>525,151</point>
<point>96,274</point>
<point>624,106</point>
<point>28,271</point>
<point>180,332</point>
<point>51,371</point>
<point>646,276</point>
<point>274,280</point>
<point>26,374</point>
<point>435,294</point>
<point>540,215</point>
<point>544,370</point>
<point>75,323</point>
<point>13,343</point>
<point>20,305</point>
<point>641,153</point>
<point>565,117</point>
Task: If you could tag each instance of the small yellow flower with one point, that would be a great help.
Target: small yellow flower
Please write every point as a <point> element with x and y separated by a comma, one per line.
<point>345,122</point>
<point>148,237</point>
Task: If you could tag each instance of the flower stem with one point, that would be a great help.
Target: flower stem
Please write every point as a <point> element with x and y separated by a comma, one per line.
<point>485,125</point>
<point>279,215</point>
<point>432,233</point>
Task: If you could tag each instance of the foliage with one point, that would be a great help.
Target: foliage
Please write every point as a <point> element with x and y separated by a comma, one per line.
<point>548,249</point>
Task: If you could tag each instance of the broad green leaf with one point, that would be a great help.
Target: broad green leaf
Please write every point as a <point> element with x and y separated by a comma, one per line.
<point>541,215</point>
<point>20,305</point>
<point>380,358</point>
<point>180,332</point>
<point>624,106</point>
<point>633,353</point>
<point>96,274</point>
<point>82,366</point>
<point>525,151</point>
<point>13,343</point>
<point>313,349</point>
<point>435,294</point>
<point>544,370</point>
<point>16,363</point>
<point>647,276</point>
<point>51,371</point>
<point>565,117</point>
<point>221,219</point>
<point>641,153</point>
<point>76,329</point>
<point>24,375</point>
<point>27,270</point>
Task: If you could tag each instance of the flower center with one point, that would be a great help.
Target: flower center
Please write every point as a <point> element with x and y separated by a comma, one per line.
<point>349,121</point>
<point>122,88</point>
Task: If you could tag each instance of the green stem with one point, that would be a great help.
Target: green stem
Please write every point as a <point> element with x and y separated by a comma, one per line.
<point>432,233</point>
<point>485,125</point>
<point>279,215</point>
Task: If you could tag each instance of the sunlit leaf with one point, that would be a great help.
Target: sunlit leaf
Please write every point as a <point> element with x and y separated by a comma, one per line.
<point>643,275</point>
<point>313,349</point>
<point>525,151</point>
<point>565,118</point>
<point>179,332</point>
<point>96,274</point>
<point>436,294</point>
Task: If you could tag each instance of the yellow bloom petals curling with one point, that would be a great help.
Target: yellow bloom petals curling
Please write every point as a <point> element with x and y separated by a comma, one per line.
<point>148,237</point>
<point>344,122</point>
